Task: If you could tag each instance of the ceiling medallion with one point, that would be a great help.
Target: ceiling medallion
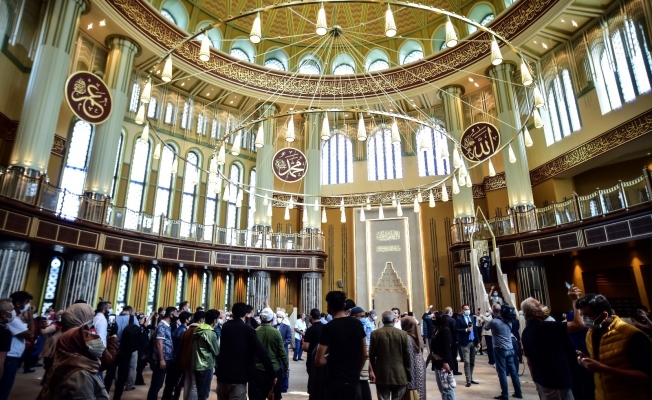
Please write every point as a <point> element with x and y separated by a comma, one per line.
<point>290,165</point>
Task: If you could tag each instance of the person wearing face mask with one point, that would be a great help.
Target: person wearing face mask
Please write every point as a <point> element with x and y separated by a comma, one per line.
<point>504,353</point>
<point>465,333</point>
<point>311,339</point>
<point>20,331</point>
<point>5,334</point>
<point>494,298</point>
<point>101,319</point>
<point>548,349</point>
<point>483,319</point>
<point>620,355</point>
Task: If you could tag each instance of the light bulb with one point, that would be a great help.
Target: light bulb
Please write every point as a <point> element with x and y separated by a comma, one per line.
<point>512,156</point>
<point>289,133</point>
<point>291,203</point>
<point>526,77</point>
<point>342,204</point>
<point>323,215</point>
<point>147,92</point>
<point>390,25</point>
<point>235,149</point>
<point>456,158</point>
<point>393,199</point>
<point>456,187</point>
<point>399,210</point>
<point>255,34</point>
<point>496,55</point>
<point>362,131</point>
<point>205,50</point>
<point>381,214</point>
<point>368,203</point>
<point>325,128</point>
<point>212,168</point>
<point>175,166</point>
<point>157,151</point>
<point>538,122</point>
<point>316,206</point>
<point>322,26</point>
<point>444,150</point>
<point>144,137</point>
<point>468,182</point>
<point>362,216</point>
<point>167,70</point>
<point>260,137</point>
<point>266,200</point>
<point>444,192</point>
<point>538,97</point>
<point>221,155</point>
<point>492,171</point>
<point>527,139</point>
<point>140,115</point>
<point>225,195</point>
<point>269,209</point>
<point>287,213</point>
<point>396,136</point>
<point>343,216</point>
<point>419,196</point>
<point>462,180</point>
<point>431,199</point>
<point>305,215</point>
<point>417,206</point>
<point>451,35</point>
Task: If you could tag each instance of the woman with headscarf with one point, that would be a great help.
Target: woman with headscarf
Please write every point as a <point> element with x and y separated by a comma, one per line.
<point>442,354</point>
<point>418,383</point>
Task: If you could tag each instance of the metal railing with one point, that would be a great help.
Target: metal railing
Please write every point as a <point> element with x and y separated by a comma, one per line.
<point>578,208</point>
<point>67,205</point>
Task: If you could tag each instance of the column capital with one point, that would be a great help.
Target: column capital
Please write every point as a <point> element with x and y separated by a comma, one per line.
<point>504,67</point>
<point>119,41</point>
<point>455,90</point>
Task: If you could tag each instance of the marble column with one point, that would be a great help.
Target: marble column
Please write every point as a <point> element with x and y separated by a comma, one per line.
<point>531,280</point>
<point>117,77</point>
<point>264,173</point>
<point>450,97</point>
<point>81,279</point>
<point>31,151</point>
<point>517,175</point>
<point>14,258</point>
<point>259,288</point>
<point>311,284</point>
<point>312,180</point>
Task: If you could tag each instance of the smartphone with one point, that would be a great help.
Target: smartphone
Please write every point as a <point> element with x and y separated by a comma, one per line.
<point>568,285</point>
<point>111,319</point>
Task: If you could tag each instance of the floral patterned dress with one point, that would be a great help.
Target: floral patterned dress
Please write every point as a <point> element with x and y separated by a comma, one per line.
<point>418,372</point>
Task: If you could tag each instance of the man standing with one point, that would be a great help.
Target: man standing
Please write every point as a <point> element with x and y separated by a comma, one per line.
<point>344,341</point>
<point>204,352</point>
<point>311,339</point>
<point>620,355</point>
<point>184,306</point>
<point>101,319</point>
<point>173,374</point>
<point>452,323</point>
<point>397,319</point>
<point>427,329</point>
<point>466,336</point>
<point>389,356</point>
<point>367,323</point>
<point>493,297</point>
<point>185,357</point>
<point>299,331</point>
<point>20,331</point>
<point>501,333</point>
<point>127,357</point>
<point>485,267</point>
<point>286,331</point>
<point>236,363</point>
<point>270,338</point>
<point>548,348</point>
<point>162,354</point>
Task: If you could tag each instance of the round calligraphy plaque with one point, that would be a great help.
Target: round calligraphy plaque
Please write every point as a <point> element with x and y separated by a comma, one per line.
<point>290,165</point>
<point>480,141</point>
<point>88,97</point>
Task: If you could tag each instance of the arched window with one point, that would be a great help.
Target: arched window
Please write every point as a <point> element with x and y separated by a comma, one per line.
<point>74,173</point>
<point>622,67</point>
<point>376,60</point>
<point>214,35</point>
<point>343,69</point>
<point>562,106</point>
<point>309,66</point>
<point>188,201</point>
<point>122,295</point>
<point>52,284</point>
<point>251,216</point>
<point>169,111</point>
<point>167,15</point>
<point>413,56</point>
<point>482,14</point>
<point>116,169</point>
<point>273,63</point>
<point>152,290</point>
<point>201,122</point>
<point>337,160</point>
<point>487,18</point>
<point>610,81</point>
<point>430,164</point>
<point>378,65</point>
<point>214,129</point>
<point>136,189</point>
<point>181,285</point>
<point>185,115</point>
<point>383,158</point>
<point>151,108</point>
<point>211,211</point>
<point>174,11</point>
<point>163,201</point>
<point>135,97</point>
<point>228,292</point>
<point>232,212</point>
<point>239,54</point>
<point>204,289</point>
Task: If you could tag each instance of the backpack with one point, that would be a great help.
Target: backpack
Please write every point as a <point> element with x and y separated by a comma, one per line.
<point>508,312</point>
<point>131,338</point>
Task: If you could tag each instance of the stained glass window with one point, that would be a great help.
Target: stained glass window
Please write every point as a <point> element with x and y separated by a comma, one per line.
<point>152,290</point>
<point>383,158</point>
<point>52,284</point>
<point>337,160</point>
<point>123,288</point>
<point>273,63</point>
<point>136,189</point>
<point>378,65</point>
<point>239,54</point>
<point>344,69</point>
<point>169,110</point>
<point>190,181</point>
<point>164,187</point>
<point>116,169</point>
<point>151,108</point>
<point>430,164</point>
<point>74,173</point>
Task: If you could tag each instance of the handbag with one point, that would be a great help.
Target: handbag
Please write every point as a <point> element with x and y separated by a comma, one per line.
<point>411,395</point>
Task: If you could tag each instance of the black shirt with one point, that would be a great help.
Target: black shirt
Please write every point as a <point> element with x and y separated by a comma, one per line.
<point>5,339</point>
<point>312,338</point>
<point>239,349</point>
<point>343,336</point>
<point>549,350</point>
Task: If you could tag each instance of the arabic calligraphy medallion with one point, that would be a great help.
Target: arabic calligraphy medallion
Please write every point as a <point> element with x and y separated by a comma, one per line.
<point>88,97</point>
<point>290,165</point>
<point>480,141</point>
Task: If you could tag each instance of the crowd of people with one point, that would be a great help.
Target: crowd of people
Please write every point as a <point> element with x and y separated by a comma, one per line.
<point>591,354</point>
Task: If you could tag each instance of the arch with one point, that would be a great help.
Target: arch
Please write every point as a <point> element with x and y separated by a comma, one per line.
<point>310,64</point>
<point>152,108</point>
<point>137,182</point>
<point>215,35</point>
<point>75,168</point>
<point>429,161</point>
<point>168,118</point>
<point>383,158</point>
<point>152,288</point>
<point>174,11</point>
<point>337,159</point>
<point>211,209</point>
<point>277,59</point>
<point>122,291</point>
<point>439,39</point>
<point>191,178</point>
<point>343,64</point>
<point>410,51</point>
<point>51,289</point>
<point>236,173</point>
<point>165,184</point>
<point>242,46</point>
<point>376,60</point>
<point>562,105</point>
<point>482,13</point>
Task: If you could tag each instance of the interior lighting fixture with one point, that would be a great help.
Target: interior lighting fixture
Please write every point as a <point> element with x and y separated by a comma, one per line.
<point>496,55</point>
<point>343,217</point>
<point>417,206</point>
<point>456,188</point>
<point>492,171</point>
<point>260,137</point>
<point>476,84</point>
<point>205,50</point>
<point>322,26</point>
<point>140,115</point>
<point>167,70</point>
<point>342,204</point>
<point>470,79</point>
<point>456,158</point>
<point>323,216</point>
<point>90,26</point>
<point>393,199</point>
<point>265,200</point>
<point>147,92</point>
<point>362,131</point>
<point>381,214</point>
<point>469,183</point>
<point>144,137</point>
<point>256,30</point>
<point>325,128</point>
<point>526,77</point>
<point>444,192</point>
<point>291,203</point>
<point>431,199</point>
<point>221,155</point>
<point>574,23</point>
<point>512,156</point>
<point>316,206</point>
<point>103,22</point>
<point>443,153</point>
<point>527,139</point>
<point>269,210</point>
<point>157,151</point>
<point>396,136</point>
<point>451,35</point>
<point>287,213</point>
<point>538,122</point>
<point>538,98</point>
<point>194,176</point>
<point>305,215</point>
<point>368,203</point>
<point>462,180</point>
<point>225,194</point>
<point>289,134</point>
<point>390,25</point>
<point>175,166</point>
<point>419,196</point>
<point>235,149</point>
<point>362,216</point>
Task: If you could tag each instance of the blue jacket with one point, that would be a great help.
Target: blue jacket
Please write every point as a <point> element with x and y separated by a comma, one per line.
<point>462,334</point>
<point>286,333</point>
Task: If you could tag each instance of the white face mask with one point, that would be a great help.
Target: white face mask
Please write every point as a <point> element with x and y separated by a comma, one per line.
<point>110,310</point>
<point>495,294</point>
<point>467,312</point>
<point>25,308</point>
<point>95,347</point>
<point>375,317</point>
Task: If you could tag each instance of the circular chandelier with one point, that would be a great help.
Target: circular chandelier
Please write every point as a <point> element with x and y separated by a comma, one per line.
<point>324,36</point>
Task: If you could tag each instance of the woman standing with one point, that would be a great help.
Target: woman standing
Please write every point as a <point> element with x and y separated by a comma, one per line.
<point>418,383</point>
<point>442,354</point>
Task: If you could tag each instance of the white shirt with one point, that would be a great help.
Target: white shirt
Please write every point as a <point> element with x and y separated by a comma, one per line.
<point>398,324</point>
<point>300,325</point>
<point>16,326</point>
<point>101,326</point>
